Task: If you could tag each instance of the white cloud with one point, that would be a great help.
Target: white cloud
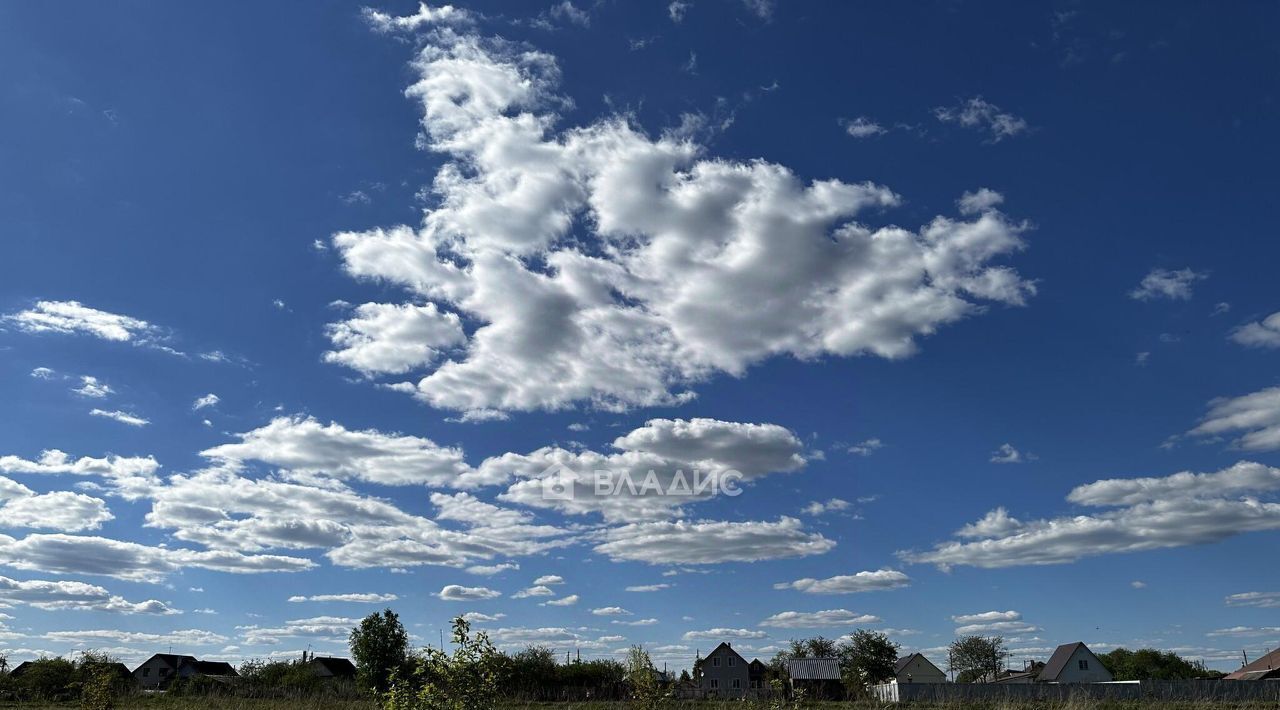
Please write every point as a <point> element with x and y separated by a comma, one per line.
<point>131,477</point>
<point>684,542</point>
<point>997,627</point>
<point>817,619</point>
<point>333,629</point>
<point>69,317</point>
<point>648,587</point>
<point>490,570</point>
<point>563,601</point>
<point>476,617</point>
<point>677,9</point>
<point>721,634</point>
<point>1259,334</point>
<point>611,611</point>
<point>987,617</point>
<point>866,447</point>
<point>711,267</point>
<point>76,554</point>
<point>122,417</point>
<point>445,14</point>
<point>549,579</point>
<point>355,597</point>
<point>866,581</point>
<point>637,622</point>
<point>21,507</point>
<point>388,338</point>
<point>459,593</point>
<point>1244,631</point>
<point>982,115</point>
<point>979,201</point>
<point>42,373</point>
<point>1138,584</point>
<point>862,127</point>
<point>75,596</point>
<point>760,8</point>
<point>1147,514</point>
<point>1256,416</point>
<point>304,447</point>
<point>180,638</point>
<point>1168,284</point>
<point>1262,600</point>
<point>534,591</point>
<point>1008,454</point>
<point>91,386</point>
<point>995,523</point>
<point>209,400</point>
<point>830,506</point>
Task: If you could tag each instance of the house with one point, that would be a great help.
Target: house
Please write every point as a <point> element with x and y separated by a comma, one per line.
<point>19,669</point>
<point>162,668</point>
<point>757,674</point>
<point>725,673</point>
<point>1074,663</point>
<point>1027,675</point>
<point>330,667</point>
<point>915,668</point>
<point>818,677</point>
<point>1265,668</point>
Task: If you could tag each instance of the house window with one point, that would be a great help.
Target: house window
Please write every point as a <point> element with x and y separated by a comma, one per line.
<point>716,661</point>
<point>731,660</point>
<point>715,684</point>
<point>737,684</point>
<point>1084,665</point>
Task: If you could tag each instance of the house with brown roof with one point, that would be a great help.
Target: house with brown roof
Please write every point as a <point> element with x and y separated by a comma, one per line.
<point>1074,663</point>
<point>1265,668</point>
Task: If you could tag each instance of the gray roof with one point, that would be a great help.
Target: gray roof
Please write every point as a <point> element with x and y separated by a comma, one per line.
<point>1058,661</point>
<point>902,662</point>
<point>813,669</point>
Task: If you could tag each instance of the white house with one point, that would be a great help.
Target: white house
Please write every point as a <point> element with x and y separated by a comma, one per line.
<point>917,669</point>
<point>1074,663</point>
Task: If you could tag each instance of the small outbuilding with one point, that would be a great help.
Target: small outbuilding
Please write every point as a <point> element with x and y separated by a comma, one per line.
<point>818,677</point>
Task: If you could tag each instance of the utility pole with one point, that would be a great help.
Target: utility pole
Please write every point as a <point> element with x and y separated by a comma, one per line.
<point>442,640</point>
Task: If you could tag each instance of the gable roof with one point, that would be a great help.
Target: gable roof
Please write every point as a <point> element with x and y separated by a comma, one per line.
<point>1270,661</point>
<point>725,645</point>
<point>813,668</point>
<point>902,663</point>
<point>169,659</point>
<point>340,667</point>
<point>211,667</point>
<point>1058,661</point>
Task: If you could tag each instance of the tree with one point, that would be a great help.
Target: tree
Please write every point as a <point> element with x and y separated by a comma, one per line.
<point>380,647</point>
<point>866,658</point>
<point>972,657</point>
<point>1151,664</point>
<point>646,691</point>
<point>466,680</point>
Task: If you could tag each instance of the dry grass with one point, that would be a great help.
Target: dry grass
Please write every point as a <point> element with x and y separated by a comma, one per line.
<point>160,702</point>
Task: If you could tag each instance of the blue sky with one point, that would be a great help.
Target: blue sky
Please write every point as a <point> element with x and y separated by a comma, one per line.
<point>310,297</point>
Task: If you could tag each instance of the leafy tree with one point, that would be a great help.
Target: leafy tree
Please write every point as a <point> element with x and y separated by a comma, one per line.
<point>380,647</point>
<point>866,658</point>
<point>646,691</point>
<point>1151,664</point>
<point>466,680</point>
<point>684,675</point>
<point>49,679</point>
<point>972,657</point>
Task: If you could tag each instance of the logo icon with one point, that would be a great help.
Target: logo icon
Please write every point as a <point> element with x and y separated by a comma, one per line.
<point>558,483</point>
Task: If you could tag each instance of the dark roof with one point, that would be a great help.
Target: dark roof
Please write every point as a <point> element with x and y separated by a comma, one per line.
<point>813,668</point>
<point>169,659</point>
<point>1268,662</point>
<point>902,663</point>
<point>340,667</point>
<point>1058,661</point>
<point>725,645</point>
<point>1010,677</point>
<point>211,667</point>
<point>20,669</point>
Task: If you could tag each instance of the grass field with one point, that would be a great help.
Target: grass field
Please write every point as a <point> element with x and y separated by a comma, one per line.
<point>217,703</point>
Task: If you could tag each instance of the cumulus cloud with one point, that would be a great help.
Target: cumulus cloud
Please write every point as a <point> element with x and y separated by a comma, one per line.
<point>21,507</point>
<point>677,9</point>
<point>1255,417</point>
<point>817,619</point>
<point>1262,600</point>
<point>549,579</point>
<point>831,506</point>
<point>537,590</point>
<point>1142,514</point>
<point>1008,454</point>
<point>209,400</point>
<point>490,570</point>
<point>425,16</point>
<point>131,477</point>
<point>73,317</point>
<point>1167,284</point>
<point>74,554</point>
<point>610,611</point>
<point>476,617</point>
<point>685,542</point>
<point>459,593</point>
<point>180,638</point>
<point>604,266</point>
<point>866,447</point>
<point>563,601</point>
<point>1259,334</point>
<point>304,447</point>
<point>980,201</point>
<point>333,629</point>
<point>75,596</point>
<point>866,581</point>
<point>121,416</point>
<point>987,617</point>
<point>982,115</point>
<point>863,127</point>
<point>721,634</point>
<point>389,338</point>
<point>91,386</point>
<point>355,597</point>
<point>648,587</point>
